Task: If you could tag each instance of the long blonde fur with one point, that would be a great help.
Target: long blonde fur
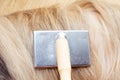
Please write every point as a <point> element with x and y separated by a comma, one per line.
<point>100,19</point>
<point>11,6</point>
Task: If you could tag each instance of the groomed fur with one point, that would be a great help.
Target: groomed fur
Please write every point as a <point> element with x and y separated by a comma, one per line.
<point>100,19</point>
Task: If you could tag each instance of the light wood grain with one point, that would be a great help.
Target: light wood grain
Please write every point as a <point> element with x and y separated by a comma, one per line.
<point>63,58</point>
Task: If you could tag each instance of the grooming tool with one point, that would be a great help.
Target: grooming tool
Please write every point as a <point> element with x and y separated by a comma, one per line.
<point>63,57</point>
<point>62,49</point>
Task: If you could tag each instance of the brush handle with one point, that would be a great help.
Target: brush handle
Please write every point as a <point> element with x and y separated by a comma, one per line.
<point>63,58</point>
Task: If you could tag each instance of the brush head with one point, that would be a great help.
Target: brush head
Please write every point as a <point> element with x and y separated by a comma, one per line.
<point>45,49</point>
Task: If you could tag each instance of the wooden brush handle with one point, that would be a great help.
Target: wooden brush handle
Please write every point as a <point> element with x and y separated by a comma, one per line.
<point>63,58</point>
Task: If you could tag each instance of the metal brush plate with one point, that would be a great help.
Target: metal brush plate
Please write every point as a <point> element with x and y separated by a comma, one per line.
<point>45,50</point>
